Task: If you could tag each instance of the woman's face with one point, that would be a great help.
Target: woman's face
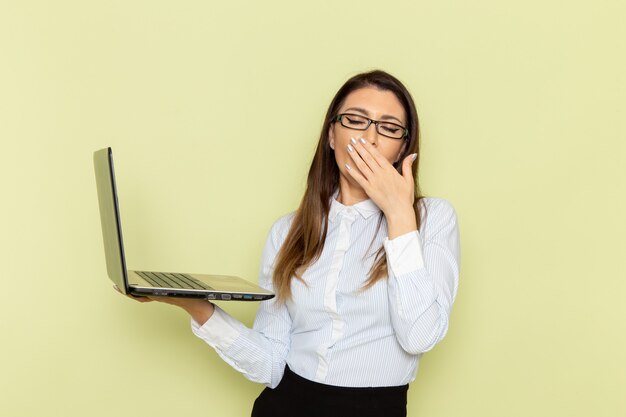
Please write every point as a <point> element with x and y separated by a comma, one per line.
<point>376,105</point>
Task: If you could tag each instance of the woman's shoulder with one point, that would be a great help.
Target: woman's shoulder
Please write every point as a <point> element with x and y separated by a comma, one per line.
<point>285,220</point>
<point>436,212</point>
<point>281,225</point>
<point>436,203</point>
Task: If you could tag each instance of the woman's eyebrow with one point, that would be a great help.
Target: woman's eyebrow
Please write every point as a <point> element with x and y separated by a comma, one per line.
<point>359,109</point>
<point>365,112</point>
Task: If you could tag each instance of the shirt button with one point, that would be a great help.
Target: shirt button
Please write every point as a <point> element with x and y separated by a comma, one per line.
<point>349,211</point>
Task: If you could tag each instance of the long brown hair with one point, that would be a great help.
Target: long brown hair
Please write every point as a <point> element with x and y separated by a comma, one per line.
<point>307,235</point>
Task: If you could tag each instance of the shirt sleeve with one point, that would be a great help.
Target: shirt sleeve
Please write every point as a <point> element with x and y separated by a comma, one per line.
<point>423,279</point>
<point>259,353</point>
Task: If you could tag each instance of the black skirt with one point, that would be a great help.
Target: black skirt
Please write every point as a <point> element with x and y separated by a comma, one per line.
<point>298,397</point>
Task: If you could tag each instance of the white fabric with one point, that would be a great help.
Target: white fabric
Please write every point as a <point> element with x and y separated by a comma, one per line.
<point>331,331</point>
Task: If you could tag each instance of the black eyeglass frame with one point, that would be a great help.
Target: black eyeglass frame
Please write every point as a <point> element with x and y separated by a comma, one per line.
<point>405,135</point>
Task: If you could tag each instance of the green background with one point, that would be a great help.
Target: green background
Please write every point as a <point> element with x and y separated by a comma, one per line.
<point>213,110</point>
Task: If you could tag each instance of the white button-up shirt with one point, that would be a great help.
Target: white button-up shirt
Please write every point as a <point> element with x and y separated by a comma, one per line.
<point>332,331</point>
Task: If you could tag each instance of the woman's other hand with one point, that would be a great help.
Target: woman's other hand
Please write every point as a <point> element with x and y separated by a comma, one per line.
<point>392,192</point>
<point>199,309</point>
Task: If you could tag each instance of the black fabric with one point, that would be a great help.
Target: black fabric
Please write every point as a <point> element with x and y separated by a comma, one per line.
<point>298,397</point>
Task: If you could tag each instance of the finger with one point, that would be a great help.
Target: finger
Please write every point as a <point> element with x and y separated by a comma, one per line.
<point>406,167</point>
<point>365,154</point>
<point>141,299</point>
<point>358,162</point>
<point>375,154</point>
<point>358,177</point>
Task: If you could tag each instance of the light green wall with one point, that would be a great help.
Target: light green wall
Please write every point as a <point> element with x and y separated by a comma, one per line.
<point>213,110</point>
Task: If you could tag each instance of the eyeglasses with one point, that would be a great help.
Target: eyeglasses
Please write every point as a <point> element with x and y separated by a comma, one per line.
<point>358,122</point>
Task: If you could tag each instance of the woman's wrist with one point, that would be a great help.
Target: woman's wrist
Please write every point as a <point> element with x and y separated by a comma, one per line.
<point>400,222</point>
<point>200,310</point>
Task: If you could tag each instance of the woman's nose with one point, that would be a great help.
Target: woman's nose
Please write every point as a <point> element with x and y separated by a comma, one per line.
<point>372,134</point>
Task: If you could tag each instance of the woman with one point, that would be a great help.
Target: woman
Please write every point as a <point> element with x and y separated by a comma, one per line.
<point>365,271</point>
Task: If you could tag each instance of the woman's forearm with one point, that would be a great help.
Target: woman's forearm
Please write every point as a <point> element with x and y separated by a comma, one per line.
<point>200,311</point>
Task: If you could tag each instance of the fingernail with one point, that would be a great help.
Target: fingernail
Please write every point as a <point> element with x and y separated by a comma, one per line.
<point>363,140</point>
<point>353,141</point>
<point>350,148</point>
<point>414,156</point>
<point>348,166</point>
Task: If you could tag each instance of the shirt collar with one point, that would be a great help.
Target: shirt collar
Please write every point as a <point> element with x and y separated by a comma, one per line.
<point>365,208</point>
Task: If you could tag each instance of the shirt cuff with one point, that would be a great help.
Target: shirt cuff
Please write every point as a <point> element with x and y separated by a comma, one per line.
<point>404,253</point>
<point>219,331</point>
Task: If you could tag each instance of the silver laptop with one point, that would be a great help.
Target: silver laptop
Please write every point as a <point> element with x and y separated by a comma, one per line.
<point>151,283</point>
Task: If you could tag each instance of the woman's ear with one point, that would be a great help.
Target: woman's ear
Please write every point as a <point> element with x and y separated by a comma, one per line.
<point>331,137</point>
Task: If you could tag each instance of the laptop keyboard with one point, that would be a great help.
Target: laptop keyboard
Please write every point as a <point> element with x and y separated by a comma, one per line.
<point>172,280</point>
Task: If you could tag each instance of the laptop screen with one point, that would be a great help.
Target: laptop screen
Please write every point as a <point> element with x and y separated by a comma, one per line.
<point>110,218</point>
